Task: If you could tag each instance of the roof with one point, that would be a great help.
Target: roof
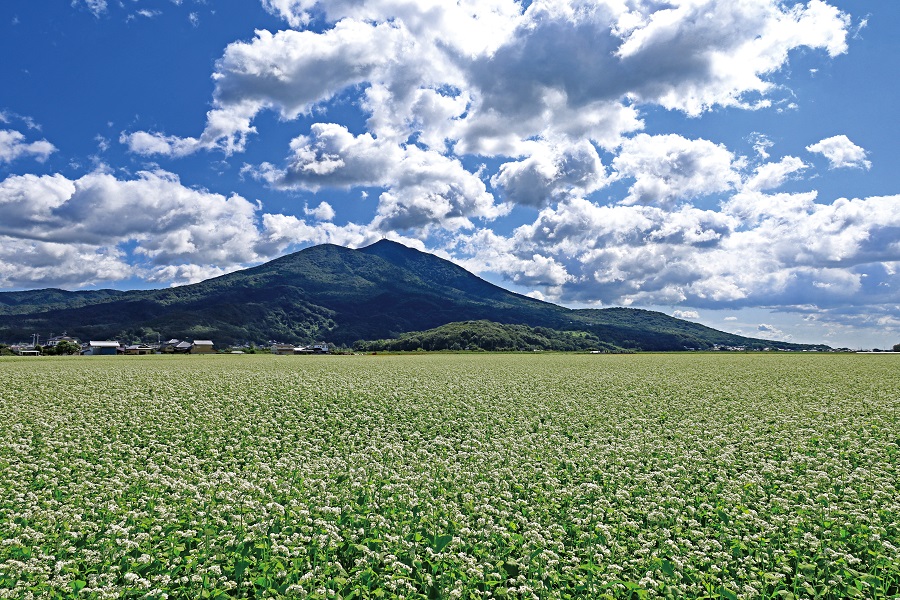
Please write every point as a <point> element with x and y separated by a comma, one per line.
<point>183,345</point>
<point>104,344</point>
<point>203,342</point>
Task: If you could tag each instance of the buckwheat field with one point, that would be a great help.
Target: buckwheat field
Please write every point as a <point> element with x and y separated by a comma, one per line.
<point>450,476</point>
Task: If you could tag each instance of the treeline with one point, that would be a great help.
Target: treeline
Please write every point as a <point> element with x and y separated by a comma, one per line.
<point>487,336</point>
<point>63,348</point>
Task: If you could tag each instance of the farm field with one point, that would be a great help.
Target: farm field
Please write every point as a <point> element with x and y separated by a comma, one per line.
<point>451,476</point>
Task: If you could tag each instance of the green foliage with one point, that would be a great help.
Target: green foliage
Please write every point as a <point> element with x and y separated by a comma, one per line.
<point>490,336</point>
<point>896,347</point>
<point>63,348</point>
<point>66,347</point>
<point>449,476</point>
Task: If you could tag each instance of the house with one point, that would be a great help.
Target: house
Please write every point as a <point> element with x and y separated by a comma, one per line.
<point>182,348</point>
<point>169,347</point>
<point>282,349</point>
<point>55,340</point>
<point>320,348</point>
<point>203,347</point>
<point>101,348</point>
<point>138,350</point>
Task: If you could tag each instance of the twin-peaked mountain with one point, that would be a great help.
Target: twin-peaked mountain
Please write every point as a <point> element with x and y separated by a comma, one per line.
<point>336,294</point>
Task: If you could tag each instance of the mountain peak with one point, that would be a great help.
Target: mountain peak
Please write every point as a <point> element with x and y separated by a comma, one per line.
<point>385,247</point>
<point>386,242</point>
<point>402,256</point>
<point>434,270</point>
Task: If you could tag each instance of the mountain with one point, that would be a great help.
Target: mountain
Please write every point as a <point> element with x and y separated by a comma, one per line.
<point>339,295</point>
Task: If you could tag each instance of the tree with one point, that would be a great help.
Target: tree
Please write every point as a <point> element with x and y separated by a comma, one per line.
<point>896,347</point>
<point>66,347</point>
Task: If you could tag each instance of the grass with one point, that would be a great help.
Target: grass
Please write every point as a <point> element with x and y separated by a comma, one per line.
<point>450,476</point>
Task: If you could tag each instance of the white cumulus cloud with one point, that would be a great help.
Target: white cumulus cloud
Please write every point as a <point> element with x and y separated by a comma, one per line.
<point>772,175</point>
<point>13,145</point>
<point>841,152</point>
<point>552,172</point>
<point>323,212</point>
<point>770,332</point>
<point>686,314</point>
<point>670,168</point>
<point>423,188</point>
<point>289,71</point>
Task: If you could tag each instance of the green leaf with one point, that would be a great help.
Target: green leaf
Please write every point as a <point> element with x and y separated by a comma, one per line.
<point>512,569</point>
<point>667,567</point>
<point>441,542</point>
<point>239,568</point>
<point>727,594</point>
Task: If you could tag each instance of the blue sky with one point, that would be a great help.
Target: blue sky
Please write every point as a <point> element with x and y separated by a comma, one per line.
<point>729,163</point>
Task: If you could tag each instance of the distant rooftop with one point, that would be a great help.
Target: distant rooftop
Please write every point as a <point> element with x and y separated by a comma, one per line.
<point>104,344</point>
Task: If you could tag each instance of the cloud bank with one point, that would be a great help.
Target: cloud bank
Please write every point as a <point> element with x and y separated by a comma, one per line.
<point>541,89</point>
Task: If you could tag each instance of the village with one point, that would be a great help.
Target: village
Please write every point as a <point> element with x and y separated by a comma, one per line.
<point>66,345</point>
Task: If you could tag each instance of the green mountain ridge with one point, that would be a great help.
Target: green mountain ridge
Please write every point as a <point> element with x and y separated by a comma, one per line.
<point>340,295</point>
